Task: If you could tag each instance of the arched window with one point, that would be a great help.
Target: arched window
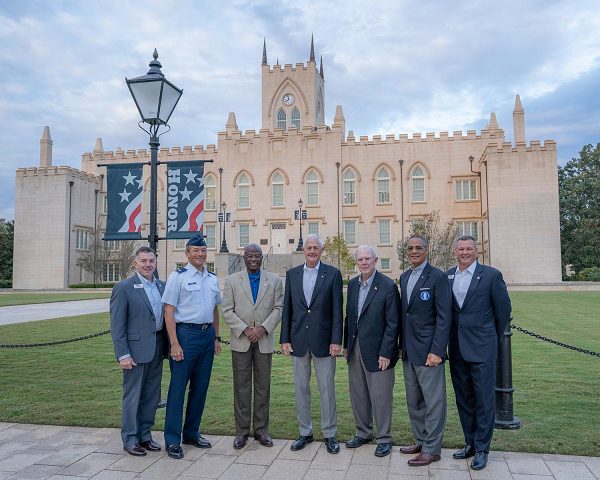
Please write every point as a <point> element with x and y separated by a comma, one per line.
<point>418,185</point>
<point>296,118</point>
<point>243,186</point>
<point>281,119</point>
<point>349,187</point>
<point>383,186</point>
<point>211,193</point>
<point>312,188</point>
<point>277,190</point>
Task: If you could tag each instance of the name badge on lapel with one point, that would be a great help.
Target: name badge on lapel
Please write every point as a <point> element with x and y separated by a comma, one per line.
<point>425,296</point>
<point>450,277</point>
<point>138,285</point>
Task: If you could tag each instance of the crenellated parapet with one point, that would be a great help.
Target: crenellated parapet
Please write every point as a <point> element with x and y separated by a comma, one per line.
<point>55,171</point>
<point>418,137</point>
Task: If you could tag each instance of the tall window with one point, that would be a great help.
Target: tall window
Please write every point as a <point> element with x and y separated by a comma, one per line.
<point>111,245</point>
<point>180,244</point>
<point>385,235</point>
<point>243,186</point>
<point>313,228</point>
<point>110,273</point>
<point>296,118</point>
<point>385,264</point>
<point>243,234</point>
<point>349,187</point>
<point>277,190</point>
<point>82,239</point>
<point>281,119</point>
<point>350,231</point>
<point>383,186</point>
<point>312,188</point>
<point>418,185</point>
<point>210,233</point>
<point>468,228</point>
<point>211,193</point>
<point>466,190</point>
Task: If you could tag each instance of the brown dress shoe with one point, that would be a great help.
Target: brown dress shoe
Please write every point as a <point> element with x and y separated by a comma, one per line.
<point>240,441</point>
<point>423,459</point>
<point>264,439</point>
<point>410,449</point>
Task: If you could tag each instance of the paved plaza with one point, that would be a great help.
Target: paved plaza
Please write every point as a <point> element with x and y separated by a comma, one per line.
<point>61,453</point>
<point>45,311</point>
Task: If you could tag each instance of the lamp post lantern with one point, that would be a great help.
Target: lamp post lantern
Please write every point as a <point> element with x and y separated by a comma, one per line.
<point>300,240</point>
<point>155,98</point>
<point>224,248</point>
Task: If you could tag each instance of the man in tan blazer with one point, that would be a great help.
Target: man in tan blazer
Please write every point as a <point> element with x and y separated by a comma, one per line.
<point>252,305</point>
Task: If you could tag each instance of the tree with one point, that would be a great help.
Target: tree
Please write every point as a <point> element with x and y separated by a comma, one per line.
<point>440,235</point>
<point>7,237</point>
<point>336,253</point>
<point>579,197</point>
<point>95,258</point>
<point>123,257</point>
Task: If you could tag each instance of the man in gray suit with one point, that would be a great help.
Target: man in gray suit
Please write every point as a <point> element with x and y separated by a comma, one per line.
<point>136,327</point>
<point>252,304</point>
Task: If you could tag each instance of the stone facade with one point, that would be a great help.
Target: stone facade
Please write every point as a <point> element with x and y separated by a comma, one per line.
<point>368,188</point>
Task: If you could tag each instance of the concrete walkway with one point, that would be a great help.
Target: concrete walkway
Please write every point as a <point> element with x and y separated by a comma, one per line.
<point>60,453</point>
<point>44,311</point>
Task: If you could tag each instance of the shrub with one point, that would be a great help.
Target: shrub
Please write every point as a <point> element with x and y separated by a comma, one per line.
<point>591,274</point>
<point>91,285</point>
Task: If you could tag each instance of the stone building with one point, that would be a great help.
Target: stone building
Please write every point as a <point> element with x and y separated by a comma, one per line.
<point>370,189</point>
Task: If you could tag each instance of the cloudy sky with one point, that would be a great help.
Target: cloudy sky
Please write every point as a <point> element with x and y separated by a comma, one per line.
<point>396,66</point>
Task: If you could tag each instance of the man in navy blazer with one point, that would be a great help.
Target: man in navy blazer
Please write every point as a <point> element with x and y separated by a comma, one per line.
<point>311,331</point>
<point>426,322</point>
<point>371,347</point>
<point>481,311</point>
<point>136,327</point>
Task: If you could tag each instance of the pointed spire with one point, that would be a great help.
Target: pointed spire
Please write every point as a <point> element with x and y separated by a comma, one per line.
<point>46,148</point>
<point>339,122</point>
<point>312,49</point>
<point>98,148</point>
<point>518,106</point>
<point>321,69</point>
<point>231,125</point>
<point>493,122</point>
<point>264,59</point>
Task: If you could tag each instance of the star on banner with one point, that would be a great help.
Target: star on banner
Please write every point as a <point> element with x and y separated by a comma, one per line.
<point>125,196</point>
<point>129,178</point>
<point>185,194</point>
<point>191,177</point>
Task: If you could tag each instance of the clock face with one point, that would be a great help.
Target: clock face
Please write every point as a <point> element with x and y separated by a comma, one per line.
<point>288,99</point>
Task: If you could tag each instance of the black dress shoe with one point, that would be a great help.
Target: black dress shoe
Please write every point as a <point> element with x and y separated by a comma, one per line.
<point>199,442</point>
<point>479,461</point>
<point>264,439</point>
<point>150,445</point>
<point>301,442</point>
<point>175,451</point>
<point>332,445</point>
<point>357,441</point>
<point>466,452</point>
<point>135,450</point>
<point>383,449</point>
<point>240,441</point>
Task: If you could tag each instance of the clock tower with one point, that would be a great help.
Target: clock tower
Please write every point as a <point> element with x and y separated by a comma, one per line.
<point>292,95</point>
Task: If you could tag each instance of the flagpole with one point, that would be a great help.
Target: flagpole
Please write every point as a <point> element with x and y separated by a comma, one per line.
<point>153,234</point>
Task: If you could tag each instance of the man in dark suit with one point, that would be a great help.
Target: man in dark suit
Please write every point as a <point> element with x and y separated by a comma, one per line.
<point>371,347</point>
<point>481,311</point>
<point>426,322</point>
<point>311,331</point>
<point>136,327</point>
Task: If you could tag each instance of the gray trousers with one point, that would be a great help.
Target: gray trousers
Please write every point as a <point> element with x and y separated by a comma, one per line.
<point>426,401</point>
<point>251,369</point>
<point>141,394</point>
<point>325,372</point>
<point>371,395</point>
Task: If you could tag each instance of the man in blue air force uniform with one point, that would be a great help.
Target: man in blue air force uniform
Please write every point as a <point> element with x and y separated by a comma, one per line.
<point>192,320</point>
<point>136,327</point>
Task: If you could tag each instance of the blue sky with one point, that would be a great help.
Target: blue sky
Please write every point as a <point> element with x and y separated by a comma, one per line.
<point>396,66</point>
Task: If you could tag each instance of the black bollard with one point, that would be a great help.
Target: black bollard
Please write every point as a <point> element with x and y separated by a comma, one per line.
<point>505,418</point>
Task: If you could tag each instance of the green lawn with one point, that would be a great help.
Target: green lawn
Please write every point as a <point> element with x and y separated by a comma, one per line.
<point>29,298</point>
<point>557,391</point>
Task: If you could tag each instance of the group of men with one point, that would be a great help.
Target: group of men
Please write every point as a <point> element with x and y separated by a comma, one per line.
<point>463,311</point>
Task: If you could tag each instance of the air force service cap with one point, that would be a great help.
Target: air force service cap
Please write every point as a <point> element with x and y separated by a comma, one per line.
<point>196,241</point>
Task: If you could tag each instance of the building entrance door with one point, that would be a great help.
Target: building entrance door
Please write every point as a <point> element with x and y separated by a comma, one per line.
<point>278,237</point>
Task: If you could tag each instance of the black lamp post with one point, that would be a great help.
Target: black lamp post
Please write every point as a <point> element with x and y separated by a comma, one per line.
<point>155,98</point>
<point>300,240</point>
<point>224,248</point>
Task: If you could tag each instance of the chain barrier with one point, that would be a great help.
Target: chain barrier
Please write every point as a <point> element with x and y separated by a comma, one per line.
<point>554,342</point>
<point>58,342</point>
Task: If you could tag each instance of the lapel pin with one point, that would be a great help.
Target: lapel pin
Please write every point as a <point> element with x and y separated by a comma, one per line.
<point>478,277</point>
<point>375,288</point>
